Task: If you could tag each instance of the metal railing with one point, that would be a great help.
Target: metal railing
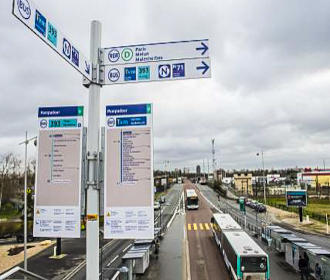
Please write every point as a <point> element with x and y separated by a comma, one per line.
<point>17,272</point>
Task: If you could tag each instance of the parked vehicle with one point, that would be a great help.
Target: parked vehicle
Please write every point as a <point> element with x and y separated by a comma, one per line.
<point>156,205</point>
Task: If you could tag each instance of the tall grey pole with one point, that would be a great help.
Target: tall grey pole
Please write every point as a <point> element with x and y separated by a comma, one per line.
<point>92,233</point>
<point>263,172</point>
<point>25,202</point>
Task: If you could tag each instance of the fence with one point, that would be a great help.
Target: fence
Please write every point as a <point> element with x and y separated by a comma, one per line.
<point>311,214</point>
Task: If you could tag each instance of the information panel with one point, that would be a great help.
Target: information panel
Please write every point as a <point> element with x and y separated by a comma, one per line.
<point>296,198</point>
<point>47,30</point>
<point>58,184</point>
<point>128,191</point>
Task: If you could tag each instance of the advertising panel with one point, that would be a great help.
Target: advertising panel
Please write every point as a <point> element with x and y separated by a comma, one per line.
<point>296,198</point>
<point>59,167</point>
<point>128,185</point>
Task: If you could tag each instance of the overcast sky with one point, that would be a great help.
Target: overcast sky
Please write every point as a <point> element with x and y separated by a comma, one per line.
<point>270,85</point>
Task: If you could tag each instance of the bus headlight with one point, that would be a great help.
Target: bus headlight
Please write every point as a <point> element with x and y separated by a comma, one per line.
<point>262,266</point>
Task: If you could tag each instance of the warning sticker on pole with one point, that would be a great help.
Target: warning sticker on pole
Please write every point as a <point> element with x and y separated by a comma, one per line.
<point>128,192</point>
<point>58,184</point>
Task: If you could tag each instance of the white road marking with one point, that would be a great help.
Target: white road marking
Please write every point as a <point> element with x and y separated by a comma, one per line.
<point>116,257</point>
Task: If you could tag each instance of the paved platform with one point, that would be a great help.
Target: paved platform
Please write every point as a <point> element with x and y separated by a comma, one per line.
<point>169,264</point>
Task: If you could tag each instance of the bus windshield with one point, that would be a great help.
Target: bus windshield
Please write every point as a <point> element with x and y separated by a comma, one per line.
<point>254,264</point>
<point>192,200</point>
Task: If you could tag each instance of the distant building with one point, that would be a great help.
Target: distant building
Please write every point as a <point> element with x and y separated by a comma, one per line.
<point>198,170</point>
<point>227,180</point>
<point>273,178</point>
<point>243,183</point>
<point>314,178</point>
<point>219,174</point>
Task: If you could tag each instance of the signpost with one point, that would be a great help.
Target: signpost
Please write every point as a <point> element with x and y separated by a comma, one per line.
<point>156,71</point>
<point>55,214</point>
<point>155,62</point>
<point>155,52</point>
<point>47,30</point>
<point>297,198</point>
<point>58,183</point>
<point>128,185</point>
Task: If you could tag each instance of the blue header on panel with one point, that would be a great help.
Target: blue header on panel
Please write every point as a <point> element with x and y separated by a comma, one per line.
<point>136,109</point>
<point>65,111</point>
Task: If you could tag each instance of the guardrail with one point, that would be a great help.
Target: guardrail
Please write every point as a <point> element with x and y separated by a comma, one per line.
<point>21,271</point>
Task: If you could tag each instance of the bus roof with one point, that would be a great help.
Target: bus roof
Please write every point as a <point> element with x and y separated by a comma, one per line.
<point>243,244</point>
<point>226,222</point>
<point>191,192</point>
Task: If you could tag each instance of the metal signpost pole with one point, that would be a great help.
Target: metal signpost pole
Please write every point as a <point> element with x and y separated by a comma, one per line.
<point>25,202</point>
<point>263,171</point>
<point>92,235</point>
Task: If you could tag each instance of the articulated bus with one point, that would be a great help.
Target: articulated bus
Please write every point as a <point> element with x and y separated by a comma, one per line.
<point>192,199</point>
<point>243,257</point>
<point>220,223</point>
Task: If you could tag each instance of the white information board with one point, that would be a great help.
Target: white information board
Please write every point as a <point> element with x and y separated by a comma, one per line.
<point>47,30</point>
<point>153,52</point>
<point>128,182</point>
<point>156,71</point>
<point>59,166</point>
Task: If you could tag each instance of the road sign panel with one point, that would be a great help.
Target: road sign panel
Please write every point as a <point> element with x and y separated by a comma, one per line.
<point>59,171</point>
<point>155,52</point>
<point>155,71</point>
<point>128,185</point>
<point>41,25</point>
<point>296,198</point>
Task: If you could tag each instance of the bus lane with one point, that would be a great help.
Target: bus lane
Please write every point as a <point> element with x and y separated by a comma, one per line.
<point>206,262</point>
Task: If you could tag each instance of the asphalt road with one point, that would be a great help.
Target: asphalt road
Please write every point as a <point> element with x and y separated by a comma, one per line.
<point>206,262</point>
<point>227,204</point>
<point>279,269</point>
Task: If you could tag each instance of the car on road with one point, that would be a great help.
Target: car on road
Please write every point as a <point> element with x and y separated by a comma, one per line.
<point>260,208</point>
<point>156,205</point>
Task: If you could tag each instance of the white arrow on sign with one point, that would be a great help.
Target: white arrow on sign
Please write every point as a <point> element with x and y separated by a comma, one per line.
<point>156,71</point>
<point>46,29</point>
<point>155,52</point>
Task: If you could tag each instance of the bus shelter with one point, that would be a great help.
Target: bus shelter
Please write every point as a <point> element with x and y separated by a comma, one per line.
<point>322,257</point>
<point>295,249</point>
<point>280,237</point>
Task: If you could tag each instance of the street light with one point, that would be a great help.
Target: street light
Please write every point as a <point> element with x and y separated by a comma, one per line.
<point>26,142</point>
<point>263,174</point>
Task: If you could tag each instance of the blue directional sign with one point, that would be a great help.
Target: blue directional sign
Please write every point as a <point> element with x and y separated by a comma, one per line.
<point>38,22</point>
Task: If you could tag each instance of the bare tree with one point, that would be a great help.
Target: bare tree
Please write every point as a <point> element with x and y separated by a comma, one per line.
<point>10,169</point>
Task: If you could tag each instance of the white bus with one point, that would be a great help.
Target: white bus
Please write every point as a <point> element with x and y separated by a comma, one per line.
<point>191,199</point>
<point>242,255</point>
<point>221,222</point>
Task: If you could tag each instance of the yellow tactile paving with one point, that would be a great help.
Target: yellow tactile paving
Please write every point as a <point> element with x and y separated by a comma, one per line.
<point>199,226</point>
